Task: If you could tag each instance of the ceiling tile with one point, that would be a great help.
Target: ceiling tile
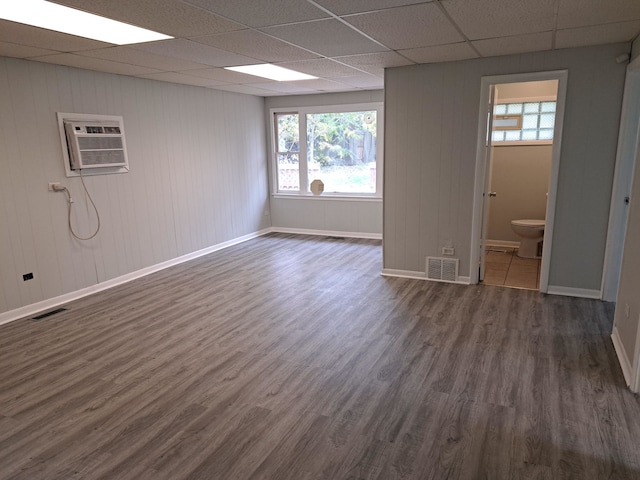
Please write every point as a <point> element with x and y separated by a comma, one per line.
<point>254,44</point>
<point>330,38</point>
<point>248,90</point>
<point>321,67</point>
<point>340,7</point>
<point>597,34</point>
<point>139,57</point>
<point>21,51</point>
<point>480,19</point>
<point>440,53</point>
<point>582,13</point>
<point>262,13</point>
<point>533,42</point>
<point>174,77</point>
<point>321,84</point>
<point>196,52</point>
<point>284,87</point>
<point>375,63</point>
<point>78,61</point>
<point>224,76</point>
<point>407,27</point>
<point>363,81</point>
<point>48,39</point>
<point>171,17</point>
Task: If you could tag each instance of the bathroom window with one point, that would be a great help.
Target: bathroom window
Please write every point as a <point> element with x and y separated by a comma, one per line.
<point>536,125</point>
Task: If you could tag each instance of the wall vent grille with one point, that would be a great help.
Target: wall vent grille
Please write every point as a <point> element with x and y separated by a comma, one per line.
<point>442,269</point>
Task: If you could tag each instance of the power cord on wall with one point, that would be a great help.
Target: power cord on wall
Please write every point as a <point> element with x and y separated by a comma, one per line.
<point>58,188</point>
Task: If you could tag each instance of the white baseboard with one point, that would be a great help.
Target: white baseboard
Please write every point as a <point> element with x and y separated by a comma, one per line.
<point>502,243</point>
<point>625,364</point>
<point>327,233</point>
<point>49,303</point>
<point>389,272</point>
<point>573,292</point>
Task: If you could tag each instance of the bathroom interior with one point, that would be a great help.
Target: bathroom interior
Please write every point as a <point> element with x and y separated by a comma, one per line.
<point>520,166</point>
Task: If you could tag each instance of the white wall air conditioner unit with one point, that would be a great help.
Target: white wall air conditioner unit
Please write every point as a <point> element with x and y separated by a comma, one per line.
<point>442,269</point>
<point>95,144</point>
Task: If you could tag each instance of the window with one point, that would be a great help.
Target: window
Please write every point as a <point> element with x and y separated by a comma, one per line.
<point>535,121</point>
<point>288,151</point>
<point>340,146</point>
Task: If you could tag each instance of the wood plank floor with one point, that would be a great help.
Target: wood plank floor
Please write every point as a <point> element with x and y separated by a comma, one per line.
<point>290,357</point>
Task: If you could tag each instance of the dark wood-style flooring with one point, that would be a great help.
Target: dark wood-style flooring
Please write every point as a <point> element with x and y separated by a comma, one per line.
<point>291,357</point>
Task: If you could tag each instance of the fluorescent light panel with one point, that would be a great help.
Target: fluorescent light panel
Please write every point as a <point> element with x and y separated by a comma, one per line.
<point>272,72</point>
<point>52,16</point>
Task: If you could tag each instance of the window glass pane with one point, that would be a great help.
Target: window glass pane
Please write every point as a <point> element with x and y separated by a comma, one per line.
<point>498,136</point>
<point>530,121</point>
<point>288,172</point>
<point>546,134</point>
<point>500,109</point>
<point>547,120</point>
<point>512,135</point>
<point>514,108</point>
<point>341,151</point>
<point>288,132</point>
<point>537,116</point>
<point>532,107</point>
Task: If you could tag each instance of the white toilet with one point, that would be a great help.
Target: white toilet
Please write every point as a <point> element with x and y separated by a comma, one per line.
<point>531,233</point>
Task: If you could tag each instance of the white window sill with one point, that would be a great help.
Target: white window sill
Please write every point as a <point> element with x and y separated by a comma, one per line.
<point>521,143</point>
<point>328,197</point>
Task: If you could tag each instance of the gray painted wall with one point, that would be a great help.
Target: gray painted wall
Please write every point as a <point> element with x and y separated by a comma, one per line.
<point>431,133</point>
<point>324,213</point>
<point>198,177</point>
<point>520,177</point>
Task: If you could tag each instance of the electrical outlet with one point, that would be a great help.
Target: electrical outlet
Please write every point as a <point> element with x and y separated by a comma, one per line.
<point>55,186</point>
<point>27,276</point>
<point>627,310</point>
<point>448,251</point>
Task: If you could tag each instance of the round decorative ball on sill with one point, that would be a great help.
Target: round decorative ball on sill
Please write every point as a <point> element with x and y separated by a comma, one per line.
<point>317,187</point>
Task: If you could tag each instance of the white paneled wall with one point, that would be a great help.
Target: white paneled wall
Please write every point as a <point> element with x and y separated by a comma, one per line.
<point>198,177</point>
<point>430,150</point>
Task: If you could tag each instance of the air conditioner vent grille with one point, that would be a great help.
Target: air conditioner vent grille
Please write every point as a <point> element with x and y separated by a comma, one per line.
<point>100,143</point>
<point>92,158</point>
<point>442,269</point>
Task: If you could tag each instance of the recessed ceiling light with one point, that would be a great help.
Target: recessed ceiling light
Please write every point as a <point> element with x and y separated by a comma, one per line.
<point>272,72</point>
<point>52,16</point>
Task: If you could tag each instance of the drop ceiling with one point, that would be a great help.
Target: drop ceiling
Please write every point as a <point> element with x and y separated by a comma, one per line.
<point>347,44</point>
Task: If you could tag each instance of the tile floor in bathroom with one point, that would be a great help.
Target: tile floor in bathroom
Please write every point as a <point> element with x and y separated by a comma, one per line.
<point>504,267</point>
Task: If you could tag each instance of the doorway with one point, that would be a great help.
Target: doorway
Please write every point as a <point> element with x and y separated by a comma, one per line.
<point>517,165</point>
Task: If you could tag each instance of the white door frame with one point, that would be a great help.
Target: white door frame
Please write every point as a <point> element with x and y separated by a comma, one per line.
<point>635,384</point>
<point>488,142</point>
<point>478,199</point>
<point>628,144</point>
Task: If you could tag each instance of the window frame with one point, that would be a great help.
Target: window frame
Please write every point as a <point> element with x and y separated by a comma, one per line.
<point>302,112</point>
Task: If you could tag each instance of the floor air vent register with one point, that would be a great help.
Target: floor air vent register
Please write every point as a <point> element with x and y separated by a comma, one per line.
<point>442,269</point>
<point>48,314</point>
